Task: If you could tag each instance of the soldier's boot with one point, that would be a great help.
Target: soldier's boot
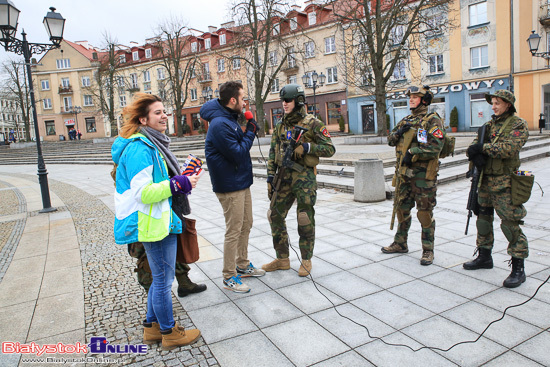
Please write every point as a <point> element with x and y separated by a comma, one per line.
<point>395,248</point>
<point>427,235</point>
<point>484,260</point>
<point>151,333</point>
<point>277,264</point>
<point>178,337</point>
<point>427,257</point>
<point>517,276</point>
<point>305,268</point>
<point>186,286</point>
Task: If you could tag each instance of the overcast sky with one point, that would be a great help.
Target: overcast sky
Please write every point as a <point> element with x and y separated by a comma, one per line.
<point>126,20</point>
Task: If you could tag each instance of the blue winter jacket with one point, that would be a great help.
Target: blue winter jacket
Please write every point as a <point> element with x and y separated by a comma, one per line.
<point>143,199</point>
<point>227,149</point>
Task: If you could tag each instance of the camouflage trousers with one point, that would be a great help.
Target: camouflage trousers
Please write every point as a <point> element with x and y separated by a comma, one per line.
<point>493,196</point>
<point>302,187</point>
<point>144,276</point>
<point>423,193</point>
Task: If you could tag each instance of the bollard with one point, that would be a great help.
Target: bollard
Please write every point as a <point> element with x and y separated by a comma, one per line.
<point>369,185</point>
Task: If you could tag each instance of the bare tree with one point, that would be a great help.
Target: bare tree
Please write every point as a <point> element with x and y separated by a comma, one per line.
<point>15,88</point>
<point>384,34</point>
<point>174,53</point>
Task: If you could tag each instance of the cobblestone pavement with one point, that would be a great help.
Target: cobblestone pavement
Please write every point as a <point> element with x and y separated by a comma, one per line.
<point>11,203</point>
<point>114,302</point>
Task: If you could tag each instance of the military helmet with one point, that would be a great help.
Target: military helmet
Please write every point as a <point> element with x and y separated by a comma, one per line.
<point>423,91</point>
<point>503,94</point>
<point>295,92</point>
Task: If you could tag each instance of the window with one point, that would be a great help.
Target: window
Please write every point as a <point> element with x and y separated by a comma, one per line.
<point>221,65</point>
<point>207,43</point>
<point>120,81</point>
<point>134,80</point>
<point>434,25</point>
<point>193,93</point>
<point>122,58</point>
<point>400,111</point>
<point>236,63</point>
<point>291,57</point>
<point>481,111</point>
<point>148,53</point>
<point>293,23</point>
<point>309,49</point>
<point>47,103</point>
<point>273,58</point>
<point>276,116</point>
<point>277,29</point>
<point>275,86</point>
<point>222,39</point>
<point>313,109</point>
<point>147,86</point>
<point>479,56</point>
<point>397,34</point>
<point>436,64</point>
<point>334,110</point>
<point>330,45</point>
<point>399,71</point>
<point>193,46</point>
<point>50,127</point>
<point>196,121</point>
<point>206,69</point>
<point>45,84</point>
<point>160,74</point>
<point>293,79</point>
<point>312,18</point>
<point>65,82</point>
<point>86,81</point>
<point>88,101</point>
<point>67,103</point>
<point>146,76</point>
<point>332,75</point>
<point>63,63</point>
<point>478,13</point>
<point>135,56</point>
<point>90,124</point>
<point>122,100</point>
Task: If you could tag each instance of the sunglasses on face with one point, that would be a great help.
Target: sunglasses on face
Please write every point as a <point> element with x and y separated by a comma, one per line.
<point>287,100</point>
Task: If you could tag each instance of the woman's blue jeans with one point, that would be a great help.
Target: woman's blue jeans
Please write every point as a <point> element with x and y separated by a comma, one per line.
<point>162,261</point>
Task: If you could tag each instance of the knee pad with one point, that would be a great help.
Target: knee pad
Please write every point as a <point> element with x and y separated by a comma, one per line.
<point>486,210</point>
<point>303,219</point>
<point>509,229</point>
<point>425,218</point>
<point>484,224</point>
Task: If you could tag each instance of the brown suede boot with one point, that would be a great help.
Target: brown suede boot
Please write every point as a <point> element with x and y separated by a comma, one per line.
<point>305,268</point>
<point>427,257</point>
<point>277,264</point>
<point>395,247</point>
<point>151,333</point>
<point>178,337</point>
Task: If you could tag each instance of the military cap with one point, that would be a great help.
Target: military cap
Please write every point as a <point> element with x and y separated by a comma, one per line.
<point>503,94</point>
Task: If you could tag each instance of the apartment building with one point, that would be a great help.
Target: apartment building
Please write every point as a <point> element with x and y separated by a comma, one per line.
<point>11,118</point>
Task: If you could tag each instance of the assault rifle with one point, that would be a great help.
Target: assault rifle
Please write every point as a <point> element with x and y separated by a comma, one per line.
<point>475,174</point>
<point>408,138</point>
<point>287,162</point>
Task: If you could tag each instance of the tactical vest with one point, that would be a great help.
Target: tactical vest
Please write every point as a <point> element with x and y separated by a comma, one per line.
<point>500,166</point>
<point>309,160</point>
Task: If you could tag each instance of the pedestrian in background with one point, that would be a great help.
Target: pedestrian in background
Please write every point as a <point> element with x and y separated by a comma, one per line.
<point>227,150</point>
<point>148,175</point>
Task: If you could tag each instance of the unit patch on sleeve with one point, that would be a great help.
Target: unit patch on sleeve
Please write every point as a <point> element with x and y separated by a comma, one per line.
<point>516,133</point>
<point>436,132</point>
<point>325,132</point>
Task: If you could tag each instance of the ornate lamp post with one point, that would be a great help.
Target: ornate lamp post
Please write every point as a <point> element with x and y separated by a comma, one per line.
<point>54,24</point>
<point>316,81</point>
<point>533,41</point>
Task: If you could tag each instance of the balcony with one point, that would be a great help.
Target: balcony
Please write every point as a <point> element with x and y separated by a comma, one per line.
<point>67,110</point>
<point>204,78</point>
<point>65,89</point>
<point>133,88</point>
<point>291,69</point>
<point>544,15</point>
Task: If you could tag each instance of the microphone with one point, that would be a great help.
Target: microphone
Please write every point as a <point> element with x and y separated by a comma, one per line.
<point>248,115</point>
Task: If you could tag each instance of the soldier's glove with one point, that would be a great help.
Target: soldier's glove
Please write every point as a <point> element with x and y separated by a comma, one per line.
<point>474,149</point>
<point>407,159</point>
<point>180,185</point>
<point>301,150</point>
<point>269,187</point>
<point>479,161</point>
<point>403,129</point>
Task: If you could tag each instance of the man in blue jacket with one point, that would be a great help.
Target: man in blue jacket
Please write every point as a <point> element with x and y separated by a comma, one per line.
<point>227,150</point>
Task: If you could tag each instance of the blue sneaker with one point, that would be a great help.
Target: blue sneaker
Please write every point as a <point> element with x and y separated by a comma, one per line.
<point>234,284</point>
<point>250,271</point>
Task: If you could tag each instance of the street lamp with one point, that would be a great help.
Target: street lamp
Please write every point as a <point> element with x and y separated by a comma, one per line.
<point>76,110</point>
<point>207,94</point>
<point>533,41</point>
<point>54,24</point>
<point>316,80</point>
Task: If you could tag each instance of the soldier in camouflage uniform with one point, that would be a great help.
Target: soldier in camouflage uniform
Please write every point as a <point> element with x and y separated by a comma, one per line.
<point>498,159</point>
<point>145,279</point>
<point>299,182</point>
<point>418,172</point>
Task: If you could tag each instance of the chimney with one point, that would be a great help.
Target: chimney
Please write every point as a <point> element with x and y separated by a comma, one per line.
<point>83,44</point>
<point>212,29</point>
<point>230,24</point>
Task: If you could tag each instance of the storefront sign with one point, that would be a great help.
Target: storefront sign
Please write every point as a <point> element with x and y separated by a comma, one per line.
<point>452,88</point>
<point>69,122</point>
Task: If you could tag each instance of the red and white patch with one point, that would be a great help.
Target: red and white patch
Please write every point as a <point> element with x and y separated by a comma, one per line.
<point>436,132</point>
<point>325,132</point>
<point>516,133</point>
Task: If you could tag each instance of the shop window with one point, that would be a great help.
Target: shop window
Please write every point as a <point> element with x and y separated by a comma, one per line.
<point>400,111</point>
<point>195,119</point>
<point>313,109</point>
<point>438,105</point>
<point>480,110</point>
<point>90,125</point>
<point>50,127</point>
<point>276,116</point>
<point>334,110</point>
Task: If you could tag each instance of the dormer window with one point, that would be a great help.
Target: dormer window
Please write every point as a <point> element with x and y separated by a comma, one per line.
<point>293,23</point>
<point>135,56</point>
<point>193,46</point>
<point>148,53</point>
<point>312,18</point>
<point>277,29</point>
<point>207,43</point>
<point>122,59</point>
<point>222,39</point>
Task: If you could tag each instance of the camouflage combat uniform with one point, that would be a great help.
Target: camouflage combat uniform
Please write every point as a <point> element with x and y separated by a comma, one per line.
<point>145,279</point>
<point>299,186</point>
<point>495,190</point>
<point>418,184</point>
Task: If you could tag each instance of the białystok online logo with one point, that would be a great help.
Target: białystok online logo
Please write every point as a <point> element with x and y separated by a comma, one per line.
<point>98,345</point>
